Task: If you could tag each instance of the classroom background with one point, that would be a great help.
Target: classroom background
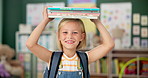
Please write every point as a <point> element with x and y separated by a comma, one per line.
<point>126,20</point>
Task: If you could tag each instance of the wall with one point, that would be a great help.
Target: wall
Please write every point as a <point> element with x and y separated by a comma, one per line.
<point>12,16</point>
<point>14,12</point>
<point>1,7</point>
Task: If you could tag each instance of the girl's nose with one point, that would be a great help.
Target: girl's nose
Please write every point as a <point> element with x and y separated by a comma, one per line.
<point>69,35</point>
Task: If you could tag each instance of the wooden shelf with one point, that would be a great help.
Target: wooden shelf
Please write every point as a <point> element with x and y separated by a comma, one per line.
<point>129,55</point>
<point>44,32</point>
<point>132,76</point>
<point>101,74</point>
<point>143,76</point>
<point>131,49</point>
<point>123,55</point>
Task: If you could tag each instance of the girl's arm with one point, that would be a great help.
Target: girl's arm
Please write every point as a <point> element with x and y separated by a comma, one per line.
<point>106,46</point>
<point>32,42</point>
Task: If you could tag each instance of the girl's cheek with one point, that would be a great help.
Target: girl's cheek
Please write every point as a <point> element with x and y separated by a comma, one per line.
<point>62,36</point>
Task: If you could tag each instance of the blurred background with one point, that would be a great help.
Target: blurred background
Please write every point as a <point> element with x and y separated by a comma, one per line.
<point>126,20</point>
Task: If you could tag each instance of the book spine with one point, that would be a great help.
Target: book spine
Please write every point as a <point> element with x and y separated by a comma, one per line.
<point>88,17</point>
<point>77,14</point>
<point>92,9</point>
<point>57,11</point>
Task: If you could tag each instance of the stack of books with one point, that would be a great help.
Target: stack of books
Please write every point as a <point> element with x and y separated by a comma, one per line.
<point>73,12</point>
<point>144,68</point>
<point>131,68</point>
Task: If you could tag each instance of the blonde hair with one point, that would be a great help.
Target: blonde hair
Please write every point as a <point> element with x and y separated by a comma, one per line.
<point>81,44</point>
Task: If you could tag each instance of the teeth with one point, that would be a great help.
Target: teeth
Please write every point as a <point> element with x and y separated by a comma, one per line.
<point>69,42</point>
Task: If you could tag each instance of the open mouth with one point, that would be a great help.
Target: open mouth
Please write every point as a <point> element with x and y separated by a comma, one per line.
<point>69,42</point>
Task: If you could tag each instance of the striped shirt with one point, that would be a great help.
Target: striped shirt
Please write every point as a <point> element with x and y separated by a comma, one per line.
<point>69,64</point>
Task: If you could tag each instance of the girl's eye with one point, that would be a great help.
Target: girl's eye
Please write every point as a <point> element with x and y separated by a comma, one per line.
<point>65,32</point>
<point>75,32</point>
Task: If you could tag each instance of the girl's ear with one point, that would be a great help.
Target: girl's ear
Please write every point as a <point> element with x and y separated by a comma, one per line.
<point>82,36</point>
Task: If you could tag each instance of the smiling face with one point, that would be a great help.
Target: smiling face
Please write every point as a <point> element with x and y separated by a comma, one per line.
<point>71,35</point>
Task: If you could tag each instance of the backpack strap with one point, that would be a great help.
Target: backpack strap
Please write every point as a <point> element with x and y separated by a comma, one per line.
<point>54,64</point>
<point>45,74</point>
<point>84,61</point>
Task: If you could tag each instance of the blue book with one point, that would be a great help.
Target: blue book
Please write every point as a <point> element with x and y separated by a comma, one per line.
<point>71,8</point>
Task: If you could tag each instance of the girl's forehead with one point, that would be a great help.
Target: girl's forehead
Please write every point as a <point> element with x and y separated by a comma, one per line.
<point>71,26</point>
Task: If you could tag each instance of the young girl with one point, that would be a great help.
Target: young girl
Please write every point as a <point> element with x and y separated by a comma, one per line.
<point>72,37</point>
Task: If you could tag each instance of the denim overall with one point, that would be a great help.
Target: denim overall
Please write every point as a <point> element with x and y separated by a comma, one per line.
<point>70,74</point>
<point>67,74</point>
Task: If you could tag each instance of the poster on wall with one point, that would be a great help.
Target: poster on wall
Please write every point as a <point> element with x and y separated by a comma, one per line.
<point>144,20</point>
<point>136,18</point>
<point>136,42</point>
<point>144,43</point>
<point>118,15</point>
<point>144,32</point>
<point>80,3</point>
<point>136,30</point>
<point>34,13</point>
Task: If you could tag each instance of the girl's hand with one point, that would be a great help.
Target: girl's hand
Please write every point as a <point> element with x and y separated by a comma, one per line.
<point>45,14</point>
<point>95,21</point>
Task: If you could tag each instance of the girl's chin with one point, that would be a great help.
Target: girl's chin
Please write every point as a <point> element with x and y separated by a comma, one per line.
<point>69,48</point>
